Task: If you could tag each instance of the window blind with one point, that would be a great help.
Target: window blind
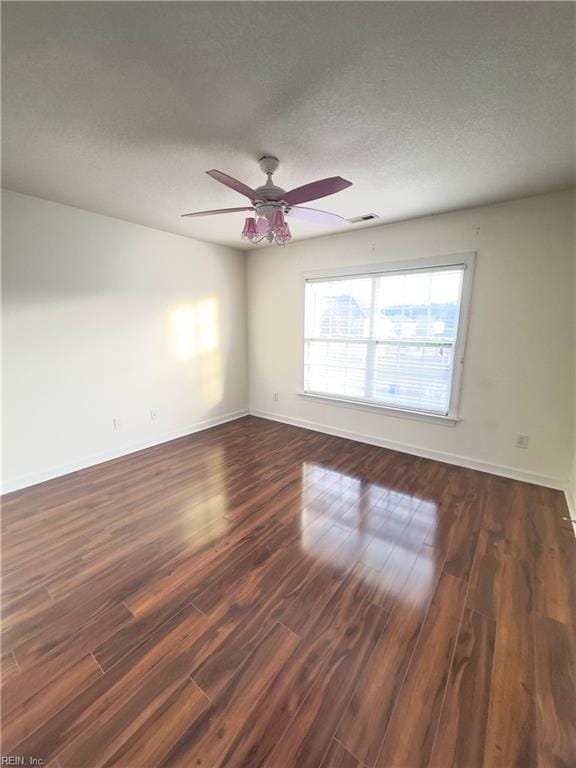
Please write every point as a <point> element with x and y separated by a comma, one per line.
<point>386,338</point>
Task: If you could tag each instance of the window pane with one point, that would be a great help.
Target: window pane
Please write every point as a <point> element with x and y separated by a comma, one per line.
<point>338,308</point>
<point>335,368</point>
<point>418,305</point>
<point>413,376</point>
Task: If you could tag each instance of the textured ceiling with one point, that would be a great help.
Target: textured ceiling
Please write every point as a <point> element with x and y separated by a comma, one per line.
<point>119,108</point>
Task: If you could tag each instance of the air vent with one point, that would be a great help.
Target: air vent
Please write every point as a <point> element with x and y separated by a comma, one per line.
<point>365,217</point>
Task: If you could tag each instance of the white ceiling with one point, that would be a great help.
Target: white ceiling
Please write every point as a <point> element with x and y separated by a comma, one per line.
<point>119,108</point>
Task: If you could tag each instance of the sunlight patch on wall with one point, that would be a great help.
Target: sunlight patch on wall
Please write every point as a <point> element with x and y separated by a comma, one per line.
<point>195,328</point>
<point>183,332</point>
<point>196,338</point>
<point>208,324</point>
<point>211,382</point>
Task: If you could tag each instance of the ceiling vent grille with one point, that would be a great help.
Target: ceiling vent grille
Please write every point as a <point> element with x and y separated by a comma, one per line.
<point>364,217</point>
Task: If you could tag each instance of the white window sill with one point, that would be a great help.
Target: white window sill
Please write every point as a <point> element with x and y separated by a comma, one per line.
<point>387,410</point>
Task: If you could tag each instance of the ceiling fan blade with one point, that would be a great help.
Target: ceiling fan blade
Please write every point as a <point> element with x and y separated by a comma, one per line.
<point>316,189</point>
<point>234,184</point>
<point>214,213</point>
<point>316,217</point>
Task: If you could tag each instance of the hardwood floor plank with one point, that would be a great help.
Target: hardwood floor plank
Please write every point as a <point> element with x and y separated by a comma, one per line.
<point>136,631</point>
<point>486,574</point>
<point>338,757</point>
<point>367,715</point>
<point>511,730</point>
<point>16,611</point>
<point>140,566</point>
<point>316,594</point>
<point>205,740</point>
<point>149,744</point>
<point>555,657</point>
<point>498,493</point>
<point>34,677</point>
<point>271,715</point>
<point>111,730</point>
<point>462,726</point>
<point>94,621</point>
<point>8,666</point>
<point>553,587</point>
<point>268,608</point>
<point>189,570</point>
<point>304,670</point>
<point>518,523</point>
<point>411,730</point>
<point>408,551</point>
<point>111,690</point>
<point>308,736</point>
<point>45,618</point>
<point>210,591</point>
<point>468,510</point>
<point>33,712</point>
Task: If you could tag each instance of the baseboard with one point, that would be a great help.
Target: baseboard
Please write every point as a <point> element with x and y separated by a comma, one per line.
<point>447,458</point>
<point>24,481</point>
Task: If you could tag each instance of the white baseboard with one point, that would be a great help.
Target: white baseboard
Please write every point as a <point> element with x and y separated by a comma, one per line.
<point>23,481</point>
<point>34,478</point>
<point>447,458</point>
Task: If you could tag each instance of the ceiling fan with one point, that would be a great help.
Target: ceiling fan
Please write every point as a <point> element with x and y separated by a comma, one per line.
<point>271,204</point>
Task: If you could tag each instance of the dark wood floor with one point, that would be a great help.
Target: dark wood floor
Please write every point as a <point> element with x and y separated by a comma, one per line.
<point>262,595</point>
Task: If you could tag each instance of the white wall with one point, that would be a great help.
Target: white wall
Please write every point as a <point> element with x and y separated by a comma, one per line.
<point>106,320</point>
<point>519,368</point>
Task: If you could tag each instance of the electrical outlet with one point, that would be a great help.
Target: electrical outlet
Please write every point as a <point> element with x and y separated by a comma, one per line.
<point>116,424</point>
<point>521,441</point>
<point>275,396</point>
<point>153,415</point>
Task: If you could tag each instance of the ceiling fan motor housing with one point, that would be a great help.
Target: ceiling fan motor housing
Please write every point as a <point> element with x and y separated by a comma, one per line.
<point>267,209</point>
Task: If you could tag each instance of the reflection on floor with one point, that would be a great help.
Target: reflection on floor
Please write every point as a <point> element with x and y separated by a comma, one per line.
<point>368,522</point>
<point>262,595</point>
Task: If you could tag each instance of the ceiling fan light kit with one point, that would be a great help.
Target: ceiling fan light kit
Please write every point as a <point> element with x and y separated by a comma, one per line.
<point>274,231</point>
<point>271,204</point>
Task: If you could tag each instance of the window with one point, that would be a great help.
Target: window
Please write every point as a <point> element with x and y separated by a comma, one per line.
<point>392,338</point>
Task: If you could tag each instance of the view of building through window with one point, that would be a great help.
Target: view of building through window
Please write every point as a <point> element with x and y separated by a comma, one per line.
<point>385,338</point>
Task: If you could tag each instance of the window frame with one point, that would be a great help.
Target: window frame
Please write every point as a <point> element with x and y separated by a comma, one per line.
<point>465,260</point>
